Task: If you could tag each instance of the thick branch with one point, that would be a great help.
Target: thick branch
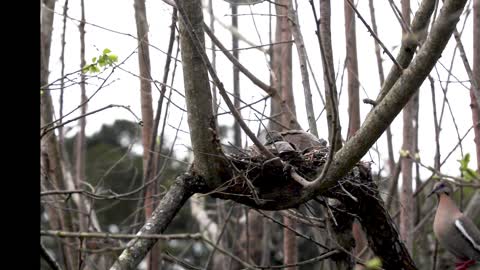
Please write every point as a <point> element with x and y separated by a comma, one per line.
<point>196,43</point>
<point>382,235</point>
<point>406,86</point>
<point>206,148</point>
<point>180,191</point>
<point>407,51</point>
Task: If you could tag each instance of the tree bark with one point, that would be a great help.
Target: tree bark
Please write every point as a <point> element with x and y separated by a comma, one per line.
<point>407,50</point>
<point>180,191</point>
<point>409,125</point>
<point>475,92</point>
<point>237,135</point>
<point>80,148</point>
<point>206,148</point>
<point>353,117</point>
<point>282,67</point>
<point>286,194</point>
<point>302,58</point>
<point>147,116</point>
<point>49,144</point>
<point>352,70</point>
<point>331,94</point>
<point>399,94</point>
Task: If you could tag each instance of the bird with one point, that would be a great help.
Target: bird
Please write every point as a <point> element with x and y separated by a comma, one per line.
<point>455,231</point>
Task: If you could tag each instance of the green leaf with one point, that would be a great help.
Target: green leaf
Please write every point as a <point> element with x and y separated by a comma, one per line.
<point>106,51</point>
<point>94,59</point>
<point>101,61</point>
<point>113,58</point>
<point>94,69</point>
<point>86,68</point>
<point>464,161</point>
<point>467,173</point>
<point>374,263</point>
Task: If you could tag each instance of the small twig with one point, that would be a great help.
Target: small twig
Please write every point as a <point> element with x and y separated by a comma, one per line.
<point>306,237</point>
<point>374,35</point>
<point>109,30</point>
<point>200,50</point>
<point>181,262</point>
<point>440,174</point>
<point>321,257</point>
<point>302,56</point>
<point>398,15</point>
<point>268,89</point>
<point>222,231</point>
<point>346,192</point>
<point>167,237</point>
<point>468,70</point>
<point>46,130</point>
<point>256,46</point>
<point>49,259</point>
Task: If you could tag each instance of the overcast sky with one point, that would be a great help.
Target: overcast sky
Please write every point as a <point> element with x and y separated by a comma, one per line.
<point>123,86</point>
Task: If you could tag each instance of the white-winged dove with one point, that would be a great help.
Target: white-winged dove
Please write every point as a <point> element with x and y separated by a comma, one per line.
<point>455,231</point>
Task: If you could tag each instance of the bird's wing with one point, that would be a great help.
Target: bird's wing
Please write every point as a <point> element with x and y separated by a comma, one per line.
<point>469,232</point>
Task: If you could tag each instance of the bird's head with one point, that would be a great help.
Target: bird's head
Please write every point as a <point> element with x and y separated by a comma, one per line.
<point>441,187</point>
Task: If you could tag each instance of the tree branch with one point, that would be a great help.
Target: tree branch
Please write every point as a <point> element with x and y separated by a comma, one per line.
<point>405,87</point>
<point>180,191</point>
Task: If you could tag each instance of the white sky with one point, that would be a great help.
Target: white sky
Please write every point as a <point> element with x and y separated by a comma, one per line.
<point>123,88</point>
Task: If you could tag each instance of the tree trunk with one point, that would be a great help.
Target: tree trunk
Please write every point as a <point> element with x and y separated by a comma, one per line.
<point>381,76</point>
<point>352,70</point>
<point>82,122</point>
<point>476,76</point>
<point>147,116</point>
<point>237,132</point>
<point>331,94</point>
<point>51,166</point>
<point>205,145</point>
<point>353,104</point>
<point>406,196</point>
<point>282,67</point>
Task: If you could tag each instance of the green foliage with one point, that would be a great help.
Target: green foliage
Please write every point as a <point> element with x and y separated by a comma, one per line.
<point>374,263</point>
<point>104,60</point>
<point>467,173</point>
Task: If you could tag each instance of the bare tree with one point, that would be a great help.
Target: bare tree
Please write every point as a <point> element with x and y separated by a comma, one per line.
<point>302,182</point>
